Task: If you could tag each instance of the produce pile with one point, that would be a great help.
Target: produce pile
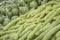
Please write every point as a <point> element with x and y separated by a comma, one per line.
<point>41,23</point>
<point>11,9</point>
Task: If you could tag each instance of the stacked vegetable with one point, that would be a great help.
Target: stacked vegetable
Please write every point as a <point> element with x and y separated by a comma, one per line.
<point>11,9</point>
<point>42,23</point>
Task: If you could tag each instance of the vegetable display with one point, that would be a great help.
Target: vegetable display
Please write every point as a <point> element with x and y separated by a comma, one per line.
<point>39,23</point>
